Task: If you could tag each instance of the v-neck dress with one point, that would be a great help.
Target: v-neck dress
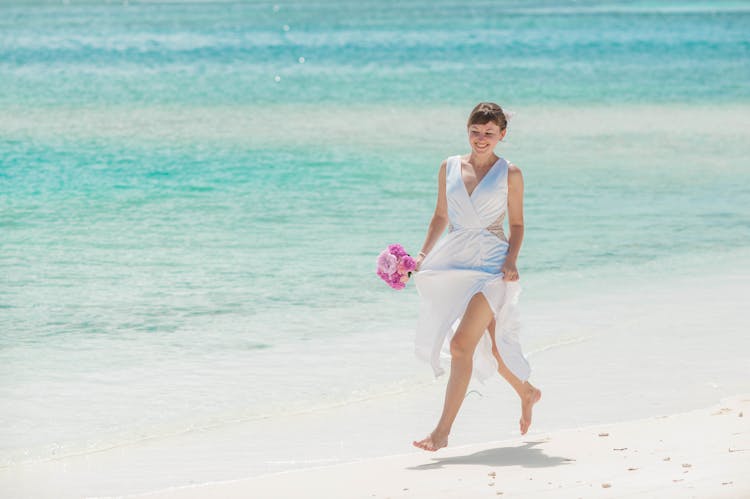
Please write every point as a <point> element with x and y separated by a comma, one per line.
<point>465,261</point>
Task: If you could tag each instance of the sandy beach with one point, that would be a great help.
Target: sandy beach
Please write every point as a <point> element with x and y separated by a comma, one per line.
<point>703,453</point>
<point>656,384</point>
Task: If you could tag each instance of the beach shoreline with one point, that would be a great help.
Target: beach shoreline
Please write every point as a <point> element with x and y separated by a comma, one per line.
<point>615,358</point>
<point>701,453</point>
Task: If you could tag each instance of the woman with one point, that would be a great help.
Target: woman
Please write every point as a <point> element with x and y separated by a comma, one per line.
<point>468,280</point>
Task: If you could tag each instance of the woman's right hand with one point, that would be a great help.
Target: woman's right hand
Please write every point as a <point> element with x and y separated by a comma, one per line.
<point>418,261</point>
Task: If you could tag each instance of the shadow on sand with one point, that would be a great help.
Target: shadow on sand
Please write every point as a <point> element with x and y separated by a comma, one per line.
<point>525,455</point>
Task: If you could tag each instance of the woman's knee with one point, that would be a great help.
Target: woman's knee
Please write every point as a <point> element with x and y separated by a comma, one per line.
<point>474,323</point>
<point>460,347</point>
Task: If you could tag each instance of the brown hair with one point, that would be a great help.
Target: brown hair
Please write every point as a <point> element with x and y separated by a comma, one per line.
<point>484,112</point>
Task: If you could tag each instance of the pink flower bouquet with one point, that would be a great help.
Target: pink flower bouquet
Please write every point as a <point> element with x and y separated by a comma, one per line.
<point>395,266</point>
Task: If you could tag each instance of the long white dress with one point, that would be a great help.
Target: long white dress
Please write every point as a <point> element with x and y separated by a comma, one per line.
<point>465,261</point>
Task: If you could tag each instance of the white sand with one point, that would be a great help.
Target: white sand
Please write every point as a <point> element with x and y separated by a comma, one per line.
<point>641,349</point>
<point>703,453</point>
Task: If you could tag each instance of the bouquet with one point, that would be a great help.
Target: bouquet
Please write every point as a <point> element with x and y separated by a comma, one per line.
<point>395,266</point>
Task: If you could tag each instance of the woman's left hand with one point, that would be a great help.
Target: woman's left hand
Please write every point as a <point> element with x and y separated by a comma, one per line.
<point>509,270</point>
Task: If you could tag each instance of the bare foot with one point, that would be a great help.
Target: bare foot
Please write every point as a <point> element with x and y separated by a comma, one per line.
<point>432,443</point>
<point>530,398</point>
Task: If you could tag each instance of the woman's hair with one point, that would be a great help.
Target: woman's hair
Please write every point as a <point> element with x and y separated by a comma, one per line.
<point>484,112</point>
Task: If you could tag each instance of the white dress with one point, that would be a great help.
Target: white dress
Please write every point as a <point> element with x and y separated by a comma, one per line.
<point>465,261</point>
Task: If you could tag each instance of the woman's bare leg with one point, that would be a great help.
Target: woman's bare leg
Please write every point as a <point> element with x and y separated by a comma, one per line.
<point>529,394</point>
<point>470,330</point>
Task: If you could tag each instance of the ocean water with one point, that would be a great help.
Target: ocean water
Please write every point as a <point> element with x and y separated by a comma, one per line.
<point>192,195</point>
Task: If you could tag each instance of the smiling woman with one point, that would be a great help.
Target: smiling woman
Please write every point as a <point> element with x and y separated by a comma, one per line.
<point>484,135</point>
<point>468,279</point>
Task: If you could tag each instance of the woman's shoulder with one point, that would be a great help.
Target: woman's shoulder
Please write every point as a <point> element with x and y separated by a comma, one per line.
<point>514,174</point>
<point>447,162</point>
<point>513,169</point>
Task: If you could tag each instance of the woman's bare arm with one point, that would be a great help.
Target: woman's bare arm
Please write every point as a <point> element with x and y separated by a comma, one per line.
<point>439,218</point>
<point>515,222</point>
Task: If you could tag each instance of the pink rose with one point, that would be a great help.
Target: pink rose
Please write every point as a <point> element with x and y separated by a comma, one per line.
<point>406,264</point>
<point>387,262</point>
<point>396,249</point>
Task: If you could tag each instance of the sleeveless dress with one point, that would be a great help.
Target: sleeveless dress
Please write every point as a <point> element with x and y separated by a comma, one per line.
<point>465,261</point>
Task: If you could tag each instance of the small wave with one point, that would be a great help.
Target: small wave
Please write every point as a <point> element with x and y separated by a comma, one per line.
<point>559,343</point>
<point>59,451</point>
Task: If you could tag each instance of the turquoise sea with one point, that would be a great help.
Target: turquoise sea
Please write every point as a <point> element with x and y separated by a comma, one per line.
<point>193,194</point>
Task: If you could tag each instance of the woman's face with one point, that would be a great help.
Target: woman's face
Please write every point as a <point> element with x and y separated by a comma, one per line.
<point>484,138</point>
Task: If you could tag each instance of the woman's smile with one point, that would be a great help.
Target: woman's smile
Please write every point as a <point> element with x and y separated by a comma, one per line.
<point>484,137</point>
